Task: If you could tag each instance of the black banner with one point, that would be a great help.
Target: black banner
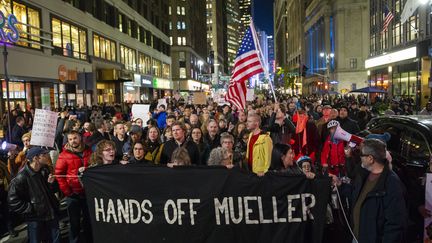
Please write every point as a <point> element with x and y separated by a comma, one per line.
<point>138,203</point>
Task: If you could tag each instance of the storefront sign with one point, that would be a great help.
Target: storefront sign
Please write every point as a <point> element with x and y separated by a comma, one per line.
<point>146,81</point>
<point>392,57</point>
<point>160,83</point>
<point>8,32</point>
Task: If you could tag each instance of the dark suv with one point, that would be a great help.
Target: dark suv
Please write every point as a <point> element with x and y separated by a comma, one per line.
<point>410,146</point>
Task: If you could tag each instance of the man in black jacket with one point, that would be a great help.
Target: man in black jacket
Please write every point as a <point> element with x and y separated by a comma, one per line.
<point>31,195</point>
<point>379,213</point>
<point>347,123</point>
<point>17,132</point>
<point>179,135</point>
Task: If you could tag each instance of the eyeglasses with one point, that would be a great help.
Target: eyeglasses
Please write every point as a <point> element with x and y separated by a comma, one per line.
<point>108,150</point>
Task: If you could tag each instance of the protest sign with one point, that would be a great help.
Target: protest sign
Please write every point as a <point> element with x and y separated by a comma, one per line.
<point>250,95</point>
<point>44,128</point>
<point>199,98</point>
<point>141,111</point>
<point>137,203</point>
<point>162,102</point>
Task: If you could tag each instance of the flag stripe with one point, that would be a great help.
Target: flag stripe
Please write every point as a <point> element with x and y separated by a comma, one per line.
<point>246,65</point>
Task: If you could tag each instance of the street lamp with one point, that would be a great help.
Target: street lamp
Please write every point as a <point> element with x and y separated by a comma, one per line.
<point>327,56</point>
<point>200,63</point>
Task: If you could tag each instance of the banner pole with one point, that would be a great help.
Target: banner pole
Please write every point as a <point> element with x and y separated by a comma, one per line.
<point>266,72</point>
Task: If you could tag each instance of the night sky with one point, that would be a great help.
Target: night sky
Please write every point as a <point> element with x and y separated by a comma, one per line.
<point>263,15</point>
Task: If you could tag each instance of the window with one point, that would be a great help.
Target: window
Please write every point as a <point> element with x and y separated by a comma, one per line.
<point>397,36</point>
<point>165,70</point>
<point>184,41</point>
<point>353,63</point>
<point>179,39</point>
<point>178,10</point>
<point>171,40</point>
<point>104,48</point>
<point>27,16</point>
<point>412,27</point>
<point>120,22</point>
<point>157,68</point>
<point>70,38</point>
<point>169,10</point>
<point>128,57</point>
<point>144,64</point>
<point>170,25</point>
<point>182,72</point>
<point>183,11</point>
<point>417,148</point>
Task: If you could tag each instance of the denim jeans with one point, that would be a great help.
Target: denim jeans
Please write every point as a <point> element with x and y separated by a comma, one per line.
<point>39,230</point>
<point>77,207</point>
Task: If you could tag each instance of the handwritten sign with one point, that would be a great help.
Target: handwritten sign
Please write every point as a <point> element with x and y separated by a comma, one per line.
<point>162,102</point>
<point>141,111</point>
<point>44,128</point>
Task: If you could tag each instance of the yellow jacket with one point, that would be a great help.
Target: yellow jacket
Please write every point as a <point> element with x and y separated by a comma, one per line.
<point>262,151</point>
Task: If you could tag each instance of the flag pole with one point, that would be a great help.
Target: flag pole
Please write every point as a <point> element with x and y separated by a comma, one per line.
<point>261,58</point>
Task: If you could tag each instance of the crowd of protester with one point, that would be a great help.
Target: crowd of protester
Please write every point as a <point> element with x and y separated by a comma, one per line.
<point>294,136</point>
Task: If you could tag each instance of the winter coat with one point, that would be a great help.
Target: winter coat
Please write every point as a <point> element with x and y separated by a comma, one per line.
<point>383,214</point>
<point>333,155</point>
<point>31,196</point>
<point>349,125</point>
<point>68,164</point>
<point>262,151</point>
<point>161,119</point>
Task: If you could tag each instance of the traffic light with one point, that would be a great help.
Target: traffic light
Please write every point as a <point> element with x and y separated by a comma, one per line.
<point>304,70</point>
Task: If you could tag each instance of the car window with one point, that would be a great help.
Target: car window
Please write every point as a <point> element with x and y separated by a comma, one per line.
<point>417,148</point>
<point>396,132</point>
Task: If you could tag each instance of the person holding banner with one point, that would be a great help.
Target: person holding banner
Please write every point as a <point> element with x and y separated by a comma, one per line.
<point>74,155</point>
<point>31,194</point>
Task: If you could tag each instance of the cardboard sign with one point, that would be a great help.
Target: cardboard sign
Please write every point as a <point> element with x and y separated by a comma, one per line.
<point>199,98</point>
<point>162,102</point>
<point>44,128</point>
<point>141,111</point>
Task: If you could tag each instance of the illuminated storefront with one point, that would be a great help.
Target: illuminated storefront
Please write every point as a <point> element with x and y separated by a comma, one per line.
<point>162,87</point>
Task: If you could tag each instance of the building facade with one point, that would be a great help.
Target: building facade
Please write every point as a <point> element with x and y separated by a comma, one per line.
<point>95,52</point>
<point>233,33</point>
<point>399,58</point>
<point>188,45</point>
<point>280,13</point>
<point>246,10</point>
<point>335,46</point>
<point>217,37</point>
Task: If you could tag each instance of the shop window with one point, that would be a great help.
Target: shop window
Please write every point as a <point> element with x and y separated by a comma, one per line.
<point>104,48</point>
<point>70,38</point>
<point>404,84</point>
<point>128,57</point>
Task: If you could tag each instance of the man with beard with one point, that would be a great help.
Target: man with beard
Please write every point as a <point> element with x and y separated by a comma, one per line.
<point>179,140</point>
<point>74,155</point>
<point>212,138</point>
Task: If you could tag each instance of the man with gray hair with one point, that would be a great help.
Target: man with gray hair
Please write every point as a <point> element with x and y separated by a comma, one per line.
<point>379,213</point>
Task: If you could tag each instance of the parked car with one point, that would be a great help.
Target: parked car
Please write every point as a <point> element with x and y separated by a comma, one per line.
<point>410,146</point>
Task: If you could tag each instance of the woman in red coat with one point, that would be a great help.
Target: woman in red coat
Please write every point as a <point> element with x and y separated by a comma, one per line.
<point>333,153</point>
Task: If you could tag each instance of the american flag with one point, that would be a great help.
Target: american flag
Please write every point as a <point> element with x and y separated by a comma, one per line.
<point>246,65</point>
<point>387,19</point>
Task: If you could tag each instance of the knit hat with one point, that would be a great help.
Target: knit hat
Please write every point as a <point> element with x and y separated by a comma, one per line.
<point>385,137</point>
<point>35,151</point>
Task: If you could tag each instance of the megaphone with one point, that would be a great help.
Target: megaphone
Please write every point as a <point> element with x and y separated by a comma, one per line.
<point>8,146</point>
<point>341,134</point>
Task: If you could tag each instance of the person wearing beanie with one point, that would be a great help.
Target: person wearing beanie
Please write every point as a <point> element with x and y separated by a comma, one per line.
<point>347,123</point>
